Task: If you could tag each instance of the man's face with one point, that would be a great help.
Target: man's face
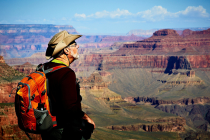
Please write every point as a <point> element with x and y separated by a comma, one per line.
<point>74,50</point>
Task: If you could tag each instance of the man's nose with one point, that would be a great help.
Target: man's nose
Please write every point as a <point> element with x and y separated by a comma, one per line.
<point>77,46</point>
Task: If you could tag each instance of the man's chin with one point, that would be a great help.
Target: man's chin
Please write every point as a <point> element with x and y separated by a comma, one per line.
<point>76,57</point>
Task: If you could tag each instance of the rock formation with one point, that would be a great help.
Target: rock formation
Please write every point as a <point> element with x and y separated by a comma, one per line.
<point>26,68</point>
<point>8,77</point>
<point>8,125</point>
<point>96,86</point>
<point>192,109</point>
<point>165,41</point>
<point>94,82</point>
<point>197,114</point>
<point>156,101</point>
<point>7,88</point>
<point>7,73</point>
<point>163,125</point>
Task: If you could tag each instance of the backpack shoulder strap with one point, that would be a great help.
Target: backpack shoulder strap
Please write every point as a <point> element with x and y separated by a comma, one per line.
<point>40,67</point>
<point>53,69</point>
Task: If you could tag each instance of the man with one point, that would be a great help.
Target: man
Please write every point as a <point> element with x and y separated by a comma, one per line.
<point>64,93</point>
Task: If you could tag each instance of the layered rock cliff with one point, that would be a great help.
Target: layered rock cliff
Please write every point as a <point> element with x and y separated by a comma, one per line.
<point>7,73</point>
<point>194,110</point>
<point>8,125</point>
<point>26,68</point>
<point>8,77</point>
<point>165,49</point>
<point>96,86</point>
<point>165,41</point>
<point>163,125</point>
<point>156,101</point>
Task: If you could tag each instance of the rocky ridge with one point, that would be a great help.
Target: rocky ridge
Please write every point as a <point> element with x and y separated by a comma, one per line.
<point>98,87</point>
<point>165,41</point>
<point>195,110</point>
<point>25,68</point>
<point>163,125</point>
<point>156,101</point>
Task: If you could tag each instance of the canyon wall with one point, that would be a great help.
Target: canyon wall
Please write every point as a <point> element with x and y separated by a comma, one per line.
<point>196,111</point>
<point>168,41</point>
<point>156,101</point>
<point>9,129</point>
<point>26,68</point>
<point>110,61</point>
<point>165,49</point>
<point>5,91</point>
<point>106,62</point>
<point>163,125</point>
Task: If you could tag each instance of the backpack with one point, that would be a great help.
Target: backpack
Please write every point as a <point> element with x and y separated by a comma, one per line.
<point>32,104</point>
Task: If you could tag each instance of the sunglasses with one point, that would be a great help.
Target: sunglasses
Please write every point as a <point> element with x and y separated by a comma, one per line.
<point>73,45</point>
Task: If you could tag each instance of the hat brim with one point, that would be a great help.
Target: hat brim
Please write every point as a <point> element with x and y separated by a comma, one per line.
<point>62,44</point>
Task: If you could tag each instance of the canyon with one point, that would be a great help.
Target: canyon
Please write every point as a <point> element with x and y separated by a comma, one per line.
<point>164,49</point>
<point>164,78</point>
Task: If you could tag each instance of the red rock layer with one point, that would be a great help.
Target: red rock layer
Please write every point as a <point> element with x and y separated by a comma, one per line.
<point>167,40</point>
<point>8,125</point>
<point>2,59</point>
<point>26,68</point>
<point>5,90</point>
<point>110,61</point>
<point>105,62</point>
<point>94,81</point>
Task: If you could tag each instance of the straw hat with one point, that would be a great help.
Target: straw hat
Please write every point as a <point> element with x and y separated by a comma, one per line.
<point>58,42</point>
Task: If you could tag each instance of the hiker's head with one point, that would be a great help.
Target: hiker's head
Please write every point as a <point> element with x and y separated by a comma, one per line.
<point>71,51</point>
<point>63,43</point>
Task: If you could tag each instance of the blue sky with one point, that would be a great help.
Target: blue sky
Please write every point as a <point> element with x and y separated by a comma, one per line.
<point>109,16</point>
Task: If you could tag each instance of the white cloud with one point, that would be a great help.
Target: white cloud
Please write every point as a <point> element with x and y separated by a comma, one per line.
<point>80,15</point>
<point>156,13</point>
<point>104,14</point>
<point>193,11</point>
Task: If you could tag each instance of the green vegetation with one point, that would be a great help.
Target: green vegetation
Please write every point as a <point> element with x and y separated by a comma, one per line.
<point>2,105</point>
<point>107,134</point>
<point>8,74</point>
